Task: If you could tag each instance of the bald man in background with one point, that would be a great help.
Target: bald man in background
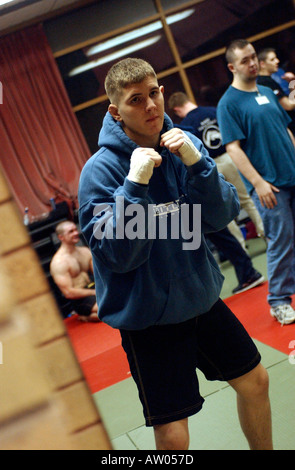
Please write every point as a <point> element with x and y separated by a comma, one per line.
<point>71,268</point>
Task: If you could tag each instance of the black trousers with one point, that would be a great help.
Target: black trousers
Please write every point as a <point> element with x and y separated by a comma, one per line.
<point>233,251</point>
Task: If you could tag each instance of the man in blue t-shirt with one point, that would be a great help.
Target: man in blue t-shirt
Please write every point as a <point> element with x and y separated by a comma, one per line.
<point>254,129</point>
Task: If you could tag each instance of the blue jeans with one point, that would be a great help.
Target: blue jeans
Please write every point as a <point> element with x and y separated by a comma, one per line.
<point>279,226</point>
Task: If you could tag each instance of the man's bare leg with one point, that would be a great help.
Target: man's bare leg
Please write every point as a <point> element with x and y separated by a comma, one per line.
<point>254,413</point>
<point>172,436</point>
<point>254,408</point>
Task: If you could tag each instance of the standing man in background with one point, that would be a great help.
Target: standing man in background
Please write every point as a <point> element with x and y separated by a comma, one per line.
<point>203,123</point>
<point>269,64</point>
<point>254,129</point>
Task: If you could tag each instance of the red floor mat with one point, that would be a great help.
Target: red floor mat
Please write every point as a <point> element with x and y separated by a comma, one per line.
<point>252,310</point>
<point>91,339</point>
<point>103,361</point>
<point>99,352</point>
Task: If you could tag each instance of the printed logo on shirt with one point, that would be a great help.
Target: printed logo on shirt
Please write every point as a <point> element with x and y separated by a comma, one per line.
<point>168,207</point>
<point>211,135</point>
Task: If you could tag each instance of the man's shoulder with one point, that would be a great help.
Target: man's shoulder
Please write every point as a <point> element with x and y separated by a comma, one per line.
<point>83,250</point>
<point>206,110</point>
<point>224,102</point>
<point>195,117</point>
<point>227,96</point>
<point>88,166</point>
<point>266,80</point>
<point>269,82</point>
<point>59,263</point>
<point>233,99</point>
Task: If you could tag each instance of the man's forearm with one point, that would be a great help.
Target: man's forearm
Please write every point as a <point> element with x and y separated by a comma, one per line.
<point>78,293</point>
<point>243,164</point>
<point>263,188</point>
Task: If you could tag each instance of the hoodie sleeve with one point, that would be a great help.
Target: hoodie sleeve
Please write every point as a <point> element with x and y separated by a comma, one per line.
<point>114,219</point>
<point>204,185</point>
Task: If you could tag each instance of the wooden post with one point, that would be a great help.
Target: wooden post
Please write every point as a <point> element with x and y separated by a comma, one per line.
<point>177,58</point>
<point>45,403</point>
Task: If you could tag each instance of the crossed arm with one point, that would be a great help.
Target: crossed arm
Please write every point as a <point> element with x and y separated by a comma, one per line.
<point>60,271</point>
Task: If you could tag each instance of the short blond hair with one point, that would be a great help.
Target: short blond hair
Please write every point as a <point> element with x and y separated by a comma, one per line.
<point>177,99</point>
<point>60,228</point>
<point>126,72</point>
<point>235,44</point>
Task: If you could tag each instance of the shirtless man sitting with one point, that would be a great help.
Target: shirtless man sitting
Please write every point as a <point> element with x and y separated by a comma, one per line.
<point>70,268</point>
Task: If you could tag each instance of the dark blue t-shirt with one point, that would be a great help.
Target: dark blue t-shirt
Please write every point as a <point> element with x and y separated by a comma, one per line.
<point>202,122</point>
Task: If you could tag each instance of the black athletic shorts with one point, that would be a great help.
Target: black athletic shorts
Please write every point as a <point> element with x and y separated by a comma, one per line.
<point>163,361</point>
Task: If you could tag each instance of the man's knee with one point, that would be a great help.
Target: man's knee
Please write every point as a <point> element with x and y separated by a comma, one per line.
<point>253,384</point>
<point>260,381</point>
<point>172,436</point>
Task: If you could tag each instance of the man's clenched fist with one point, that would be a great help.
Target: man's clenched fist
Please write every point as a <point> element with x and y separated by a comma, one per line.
<point>142,163</point>
<point>180,144</point>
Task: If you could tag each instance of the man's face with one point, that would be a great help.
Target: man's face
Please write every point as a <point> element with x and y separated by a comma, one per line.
<point>271,63</point>
<point>245,65</point>
<point>70,234</point>
<point>141,111</point>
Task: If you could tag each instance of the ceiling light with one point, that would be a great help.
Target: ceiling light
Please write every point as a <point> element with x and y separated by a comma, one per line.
<point>136,33</point>
<point>114,56</point>
<point>3,2</point>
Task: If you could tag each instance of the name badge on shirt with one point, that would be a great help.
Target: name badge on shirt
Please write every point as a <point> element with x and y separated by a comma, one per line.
<point>262,99</point>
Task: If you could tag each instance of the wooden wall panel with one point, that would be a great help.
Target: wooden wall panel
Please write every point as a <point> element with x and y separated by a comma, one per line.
<point>45,403</point>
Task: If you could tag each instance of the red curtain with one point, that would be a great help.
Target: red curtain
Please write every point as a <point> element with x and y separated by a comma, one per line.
<point>42,146</point>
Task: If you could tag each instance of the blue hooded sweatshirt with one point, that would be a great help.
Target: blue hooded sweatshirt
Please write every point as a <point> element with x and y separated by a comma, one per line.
<point>145,274</point>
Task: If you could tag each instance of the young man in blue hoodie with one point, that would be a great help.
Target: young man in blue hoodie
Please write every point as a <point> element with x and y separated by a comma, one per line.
<point>147,198</point>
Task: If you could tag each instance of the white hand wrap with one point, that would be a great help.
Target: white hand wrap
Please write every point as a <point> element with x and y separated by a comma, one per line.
<point>141,167</point>
<point>189,154</point>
